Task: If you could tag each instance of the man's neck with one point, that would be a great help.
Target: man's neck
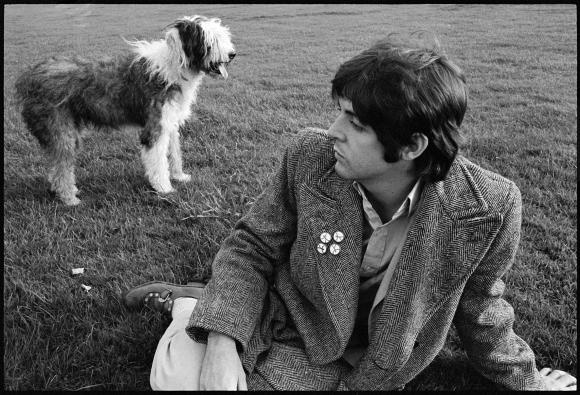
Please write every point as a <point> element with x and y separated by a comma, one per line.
<point>386,196</point>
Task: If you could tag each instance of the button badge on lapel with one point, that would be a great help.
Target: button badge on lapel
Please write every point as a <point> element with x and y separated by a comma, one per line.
<point>326,238</point>
<point>334,249</point>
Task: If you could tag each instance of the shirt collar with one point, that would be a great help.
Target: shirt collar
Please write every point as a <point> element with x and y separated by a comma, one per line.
<point>414,196</point>
<point>407,207</point>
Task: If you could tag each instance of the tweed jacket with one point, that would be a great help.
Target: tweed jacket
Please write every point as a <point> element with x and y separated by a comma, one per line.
<point>292,309</point>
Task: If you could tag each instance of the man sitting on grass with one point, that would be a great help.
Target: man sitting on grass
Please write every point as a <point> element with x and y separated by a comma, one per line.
<point>372,239</point>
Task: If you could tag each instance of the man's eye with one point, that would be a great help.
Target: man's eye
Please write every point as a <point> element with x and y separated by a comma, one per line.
<point>357,127</point>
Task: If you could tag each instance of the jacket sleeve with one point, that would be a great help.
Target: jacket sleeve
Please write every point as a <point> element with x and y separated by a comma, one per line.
<point>233,299</point>
<point>484,319</point>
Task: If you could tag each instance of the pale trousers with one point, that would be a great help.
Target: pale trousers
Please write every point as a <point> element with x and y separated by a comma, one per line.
<point>177,361</point>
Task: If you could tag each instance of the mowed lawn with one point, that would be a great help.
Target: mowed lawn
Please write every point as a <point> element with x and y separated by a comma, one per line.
<point>521,66</point>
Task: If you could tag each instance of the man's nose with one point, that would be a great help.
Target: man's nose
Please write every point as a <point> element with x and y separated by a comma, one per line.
<point>334,130</point>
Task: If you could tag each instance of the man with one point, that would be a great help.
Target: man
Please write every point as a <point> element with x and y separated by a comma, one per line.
<point>372,239</point>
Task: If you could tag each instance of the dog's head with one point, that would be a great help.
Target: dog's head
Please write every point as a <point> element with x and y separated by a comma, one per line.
<point>201,44</point>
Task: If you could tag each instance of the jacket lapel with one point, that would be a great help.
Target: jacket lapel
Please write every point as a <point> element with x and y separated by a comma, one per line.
<point>451,231</point>
<point>339,274</point>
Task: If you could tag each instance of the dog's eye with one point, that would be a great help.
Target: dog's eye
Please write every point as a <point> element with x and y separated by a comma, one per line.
<point>207,49</point>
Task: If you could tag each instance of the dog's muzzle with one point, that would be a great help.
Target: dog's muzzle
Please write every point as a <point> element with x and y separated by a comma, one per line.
<point>220,68</point>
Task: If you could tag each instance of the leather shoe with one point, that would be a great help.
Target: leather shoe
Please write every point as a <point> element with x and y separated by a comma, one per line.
<point>160,295</point>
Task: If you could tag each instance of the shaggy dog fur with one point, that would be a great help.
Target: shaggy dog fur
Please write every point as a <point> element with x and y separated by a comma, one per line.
<point>153,88</point>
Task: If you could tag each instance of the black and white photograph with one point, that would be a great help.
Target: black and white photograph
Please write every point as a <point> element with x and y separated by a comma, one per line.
<point>290,197</point>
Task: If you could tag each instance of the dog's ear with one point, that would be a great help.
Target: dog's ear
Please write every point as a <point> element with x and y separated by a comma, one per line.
<point>193,41</point>
<point>178,59</point>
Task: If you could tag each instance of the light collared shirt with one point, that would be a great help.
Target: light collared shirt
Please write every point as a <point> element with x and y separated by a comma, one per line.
<point>380,241</point>
<point>382,244</point>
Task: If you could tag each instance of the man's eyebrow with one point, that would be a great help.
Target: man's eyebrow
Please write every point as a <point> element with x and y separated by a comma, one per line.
<point>348,112</point>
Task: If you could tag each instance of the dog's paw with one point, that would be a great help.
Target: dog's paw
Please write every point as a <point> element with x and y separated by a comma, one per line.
<point>71,201</point>
<point>183,177</point>
<point>164,189</point>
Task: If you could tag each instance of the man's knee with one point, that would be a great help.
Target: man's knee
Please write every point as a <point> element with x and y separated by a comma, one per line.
<point>177,362</point>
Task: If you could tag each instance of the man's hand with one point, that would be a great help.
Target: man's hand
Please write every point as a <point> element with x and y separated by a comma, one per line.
<point>557,380</point>
<point>221,368</point>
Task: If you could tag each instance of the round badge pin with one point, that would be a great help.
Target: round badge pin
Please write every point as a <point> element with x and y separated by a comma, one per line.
<point>338,236</point>
<point>325,237</point>
<point>334,249</point>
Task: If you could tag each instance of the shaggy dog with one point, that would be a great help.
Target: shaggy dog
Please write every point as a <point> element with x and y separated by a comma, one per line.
<point>154,88</point>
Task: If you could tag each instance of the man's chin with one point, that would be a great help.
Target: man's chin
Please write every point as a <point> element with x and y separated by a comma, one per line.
<point>341,172</point>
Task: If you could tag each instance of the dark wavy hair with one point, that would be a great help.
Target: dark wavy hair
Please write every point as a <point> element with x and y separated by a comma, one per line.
<point>400,88</point>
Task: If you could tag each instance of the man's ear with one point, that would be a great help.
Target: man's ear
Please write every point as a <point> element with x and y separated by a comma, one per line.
<point>416,148</point>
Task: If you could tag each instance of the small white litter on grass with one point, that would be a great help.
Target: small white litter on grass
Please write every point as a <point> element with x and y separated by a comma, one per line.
<point>78,270</point>
<point>86,287</point>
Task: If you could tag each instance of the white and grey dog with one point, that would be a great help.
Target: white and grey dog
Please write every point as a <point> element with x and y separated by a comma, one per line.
<point>154,87</point>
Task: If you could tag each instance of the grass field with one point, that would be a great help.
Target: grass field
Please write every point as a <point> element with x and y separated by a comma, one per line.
<point>521,65</point>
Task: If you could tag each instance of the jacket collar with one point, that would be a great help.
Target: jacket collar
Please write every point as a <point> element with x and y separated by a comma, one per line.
<point>332,185</point>
<point>458,194</point>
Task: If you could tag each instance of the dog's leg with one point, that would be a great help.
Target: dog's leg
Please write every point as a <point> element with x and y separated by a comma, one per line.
<point>175,161</point>
<point>155,139</point>
<point>156,164</point>
<point>61,154</point>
